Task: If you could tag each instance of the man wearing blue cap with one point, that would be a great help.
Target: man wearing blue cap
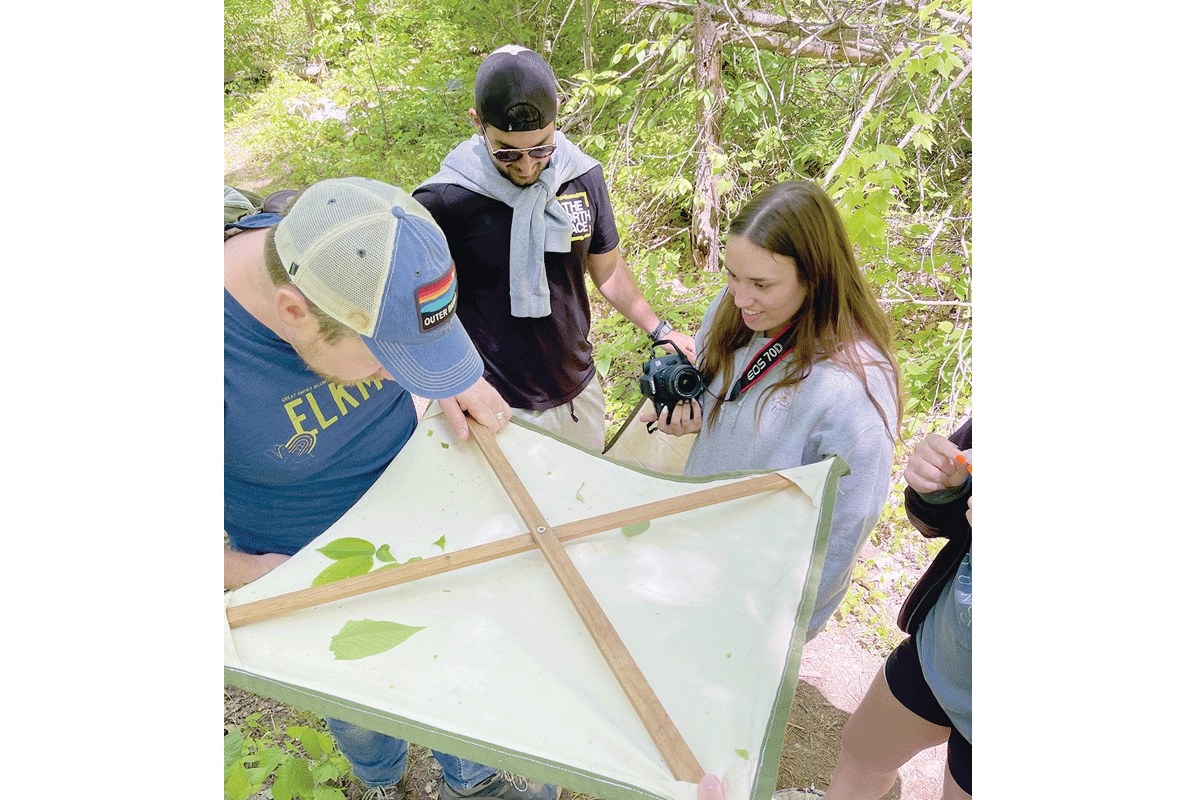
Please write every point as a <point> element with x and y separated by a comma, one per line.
<point>333,314</point>
<point>527,215</point>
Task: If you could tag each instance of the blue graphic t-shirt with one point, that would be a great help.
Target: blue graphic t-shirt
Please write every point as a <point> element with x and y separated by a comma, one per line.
<point>299,450</point>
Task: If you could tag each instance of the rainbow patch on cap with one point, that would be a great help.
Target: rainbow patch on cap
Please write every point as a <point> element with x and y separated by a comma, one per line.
<point>436,301</point>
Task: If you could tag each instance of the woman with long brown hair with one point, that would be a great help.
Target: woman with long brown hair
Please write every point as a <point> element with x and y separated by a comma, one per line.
<point>796,357</point>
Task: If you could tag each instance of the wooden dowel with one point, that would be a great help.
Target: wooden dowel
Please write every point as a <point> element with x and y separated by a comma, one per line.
<point>662,730</point>
<point>269,607</point>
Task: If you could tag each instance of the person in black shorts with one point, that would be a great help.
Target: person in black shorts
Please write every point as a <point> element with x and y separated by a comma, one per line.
<point>921,697</point>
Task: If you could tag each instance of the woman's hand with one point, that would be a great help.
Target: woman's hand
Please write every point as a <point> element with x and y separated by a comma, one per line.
<point>710,788</point>
<point>933,467</point>
<point>684,418</point>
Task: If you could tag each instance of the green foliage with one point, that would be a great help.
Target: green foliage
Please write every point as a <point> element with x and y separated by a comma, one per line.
<point>891,143</point>
<point>304,764</point>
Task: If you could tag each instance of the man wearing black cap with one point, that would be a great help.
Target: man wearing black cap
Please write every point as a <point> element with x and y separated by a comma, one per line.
<point>334,312</point>
<point>527,215</point>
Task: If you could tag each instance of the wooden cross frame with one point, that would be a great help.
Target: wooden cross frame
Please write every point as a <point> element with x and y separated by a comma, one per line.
<point>662,730</point>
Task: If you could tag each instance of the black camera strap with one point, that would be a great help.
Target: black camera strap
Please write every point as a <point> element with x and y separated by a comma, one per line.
<point>770,355</point>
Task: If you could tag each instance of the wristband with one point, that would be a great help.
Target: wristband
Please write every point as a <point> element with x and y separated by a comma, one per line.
<point>661,331</point>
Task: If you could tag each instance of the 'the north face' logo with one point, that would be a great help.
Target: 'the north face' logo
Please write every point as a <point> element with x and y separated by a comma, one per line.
<point>580,212</point>
<point>436,301</point>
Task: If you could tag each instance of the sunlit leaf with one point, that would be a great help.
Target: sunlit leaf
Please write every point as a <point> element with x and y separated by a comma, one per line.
<point>347,547</point>
<point>345,568</point>
<point>294,779</point>
<point>366,637</point>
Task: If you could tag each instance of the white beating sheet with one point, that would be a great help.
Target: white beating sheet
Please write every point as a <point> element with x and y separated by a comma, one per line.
<point>712,604</point>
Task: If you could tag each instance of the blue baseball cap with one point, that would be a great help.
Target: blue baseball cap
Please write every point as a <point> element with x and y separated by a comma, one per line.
<point>372,257</point>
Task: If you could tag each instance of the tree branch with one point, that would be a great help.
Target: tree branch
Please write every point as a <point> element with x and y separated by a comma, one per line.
<point>858,123</point>
<point>842,43</point>
<point>912,302</point>
<point>958,81</point>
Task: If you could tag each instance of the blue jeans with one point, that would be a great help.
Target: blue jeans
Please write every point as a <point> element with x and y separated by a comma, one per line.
<point>380,760</point>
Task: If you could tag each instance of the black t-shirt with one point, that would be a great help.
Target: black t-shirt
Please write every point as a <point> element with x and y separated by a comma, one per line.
<point>535,363</point>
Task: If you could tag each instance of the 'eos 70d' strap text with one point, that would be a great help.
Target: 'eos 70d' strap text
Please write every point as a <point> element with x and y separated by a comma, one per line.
<point>766,358</point>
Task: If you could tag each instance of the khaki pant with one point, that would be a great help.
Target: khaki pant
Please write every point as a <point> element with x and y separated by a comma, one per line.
<point>586,429</point>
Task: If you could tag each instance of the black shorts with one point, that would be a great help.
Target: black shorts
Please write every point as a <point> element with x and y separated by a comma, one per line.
<point>907,683</point>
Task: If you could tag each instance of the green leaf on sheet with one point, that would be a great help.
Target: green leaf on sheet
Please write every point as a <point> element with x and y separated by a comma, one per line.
<point>445,446</point>
<point>743,753</point>
<point>384,553</point>
<point>368,637</point>
<point>347,547</point>
<point>441,542</point>
<point>634,530</point>
<point>345,568</point>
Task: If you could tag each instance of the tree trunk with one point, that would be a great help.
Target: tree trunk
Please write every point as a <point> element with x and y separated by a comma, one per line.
<point>710,106</point>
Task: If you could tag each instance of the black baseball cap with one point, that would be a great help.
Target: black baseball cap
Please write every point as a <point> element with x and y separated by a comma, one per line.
<point>515,90</point>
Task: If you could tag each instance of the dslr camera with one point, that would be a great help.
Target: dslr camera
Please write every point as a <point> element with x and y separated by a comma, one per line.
<point>669,379</point>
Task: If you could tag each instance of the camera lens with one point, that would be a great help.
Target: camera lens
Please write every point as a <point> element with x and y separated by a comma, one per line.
<point>685,383</point>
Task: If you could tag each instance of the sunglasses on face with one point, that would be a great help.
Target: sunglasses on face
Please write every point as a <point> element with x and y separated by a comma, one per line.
<point>509,155</point>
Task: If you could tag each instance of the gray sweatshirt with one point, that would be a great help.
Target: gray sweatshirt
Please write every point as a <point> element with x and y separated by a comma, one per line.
<point>827,414</point>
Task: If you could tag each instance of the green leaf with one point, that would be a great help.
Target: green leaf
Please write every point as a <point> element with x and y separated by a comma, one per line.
<point>634,530</point>
<point>384,553</point>
<point>234,747</point>
<point>366,637</point>
<point>269,758</point>
<point>328,770</point>
<point>347,547</point>
<point>743,753</point>
<point>293,780</point>
<point>328,793</point>
<point>602,365</point>
<point>441,542</point>
<point>345,568</point>
<point>445,446</point>
<point>238,785</point>
<point>310,740</point>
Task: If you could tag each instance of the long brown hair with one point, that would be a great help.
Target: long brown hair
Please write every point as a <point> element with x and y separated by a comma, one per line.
<point>839,313</point>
